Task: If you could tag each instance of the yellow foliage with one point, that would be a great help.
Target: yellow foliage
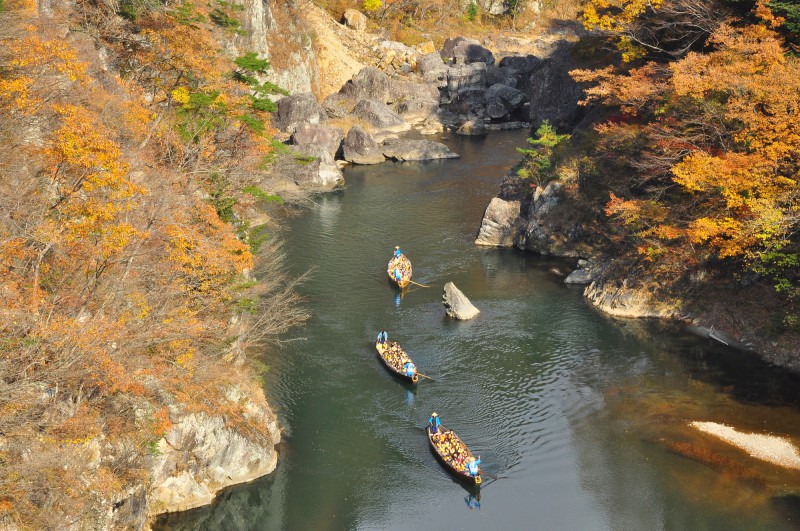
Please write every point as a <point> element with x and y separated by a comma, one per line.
<point>615,15</point>
<point>206,253</point>
<point>181,95</point>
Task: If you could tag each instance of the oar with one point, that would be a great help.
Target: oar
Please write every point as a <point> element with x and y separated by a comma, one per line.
<point>485,473</point>
<point>418,284</point>
<point>426,376</point>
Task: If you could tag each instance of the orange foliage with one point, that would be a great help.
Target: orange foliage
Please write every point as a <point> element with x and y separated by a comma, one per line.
<point>32,60</point>
<point>204,251</point>
<point>726,126</point>
<point>113,298</point>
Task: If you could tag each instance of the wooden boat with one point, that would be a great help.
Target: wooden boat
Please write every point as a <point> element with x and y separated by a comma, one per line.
<point>397,371</point>
<point>462,475</point>
<point>402,263</point>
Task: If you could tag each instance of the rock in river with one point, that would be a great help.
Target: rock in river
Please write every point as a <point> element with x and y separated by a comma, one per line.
<point>402,149</point>
<point>499,223</point>
<point>360,148</point>
<point>457,304</point>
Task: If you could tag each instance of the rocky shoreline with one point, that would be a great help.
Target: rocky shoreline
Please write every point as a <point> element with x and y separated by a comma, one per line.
<point>393,95</point>
<point>552,221</point>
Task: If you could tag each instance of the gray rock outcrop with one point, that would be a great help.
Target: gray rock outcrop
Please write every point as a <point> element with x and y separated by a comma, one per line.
<point>404,149</point>
<point>553,94</point>
<point>499,224</point>
<point>464,51</point>
<point>524,64</point>
<point>201,455</point>
<point>380,117</point>
<point>369,83</point>
<point>548,234</point>
<point>433,69</point>
<point>620,300</point>
<point>456,304</point>
<point>473,127</point>
<point>418,110</point>
<point>319,135</point>
<point>360,148</point>
<point>579,276</point>
<point>319,173</point>
<point>297,109</point>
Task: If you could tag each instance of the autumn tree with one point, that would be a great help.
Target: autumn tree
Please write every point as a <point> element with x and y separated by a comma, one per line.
<point>713,145</point>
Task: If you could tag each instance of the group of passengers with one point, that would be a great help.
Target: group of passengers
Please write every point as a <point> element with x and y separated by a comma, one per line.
<point>399,266</point>
<point>395,355</point>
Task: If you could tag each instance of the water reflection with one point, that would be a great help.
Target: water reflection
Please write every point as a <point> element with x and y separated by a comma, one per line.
<point>473,501</point>
<point>409,397</point>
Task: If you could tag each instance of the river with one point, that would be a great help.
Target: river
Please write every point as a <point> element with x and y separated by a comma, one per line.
<point>582,416</point>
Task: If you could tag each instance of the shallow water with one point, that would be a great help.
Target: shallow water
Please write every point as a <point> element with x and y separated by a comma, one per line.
<point>579,413</point>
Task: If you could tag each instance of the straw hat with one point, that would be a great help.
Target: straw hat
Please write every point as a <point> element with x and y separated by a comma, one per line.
<point>434,414</point>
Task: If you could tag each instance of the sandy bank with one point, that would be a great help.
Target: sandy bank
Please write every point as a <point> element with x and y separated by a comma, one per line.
<point>777,450</point>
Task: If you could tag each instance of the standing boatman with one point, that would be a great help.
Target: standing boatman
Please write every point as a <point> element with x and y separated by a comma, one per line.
<point>472,466</point>
<point>397,251</point>
<point>434,422</point>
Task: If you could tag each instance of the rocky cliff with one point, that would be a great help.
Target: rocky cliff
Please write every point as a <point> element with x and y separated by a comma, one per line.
<point>561,219</point>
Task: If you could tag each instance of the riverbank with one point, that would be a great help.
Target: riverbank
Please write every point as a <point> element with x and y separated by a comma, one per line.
<point>590,407</point>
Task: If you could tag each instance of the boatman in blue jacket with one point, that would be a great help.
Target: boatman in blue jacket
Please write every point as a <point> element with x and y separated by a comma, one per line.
<point>472,466</point>
<point>397,251</point>
<point>434,422</point>
<point>410,368</point>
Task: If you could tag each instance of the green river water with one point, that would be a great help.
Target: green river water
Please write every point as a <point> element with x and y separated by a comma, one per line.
<point>584,417</point>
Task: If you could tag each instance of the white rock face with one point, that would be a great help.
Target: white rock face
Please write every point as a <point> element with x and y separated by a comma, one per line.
<point>457,304</point>
<point>622,301</point>
<point>579,276</point>
<point>499,224</point>
<point>201,455</point>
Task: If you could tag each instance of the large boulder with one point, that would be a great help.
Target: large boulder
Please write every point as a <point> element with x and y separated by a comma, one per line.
<point>499,224</point>
<point>502,100</point>
<point>380,117</point>
<point>473,127</point>
<point>338,105</point>
<point>401,90</point>
<point>296,109</point>
<point>324,136</point>
<point>403,149</point>
<point>319,172</point>
<point>462,51</point>
<point>579,276</point>
<point>554,95</point>
<point>462,76</point>
<point>456,304</point>
<point>369,83</point>
<point>417,110</point>
<point>202,454</point>
<point>433,69</point>
<point>355,19</point>
<point>511,97</point>
<point>469,100</point>
<point>360,148</point>
<point>504,76</point>
<point>524,64</point>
